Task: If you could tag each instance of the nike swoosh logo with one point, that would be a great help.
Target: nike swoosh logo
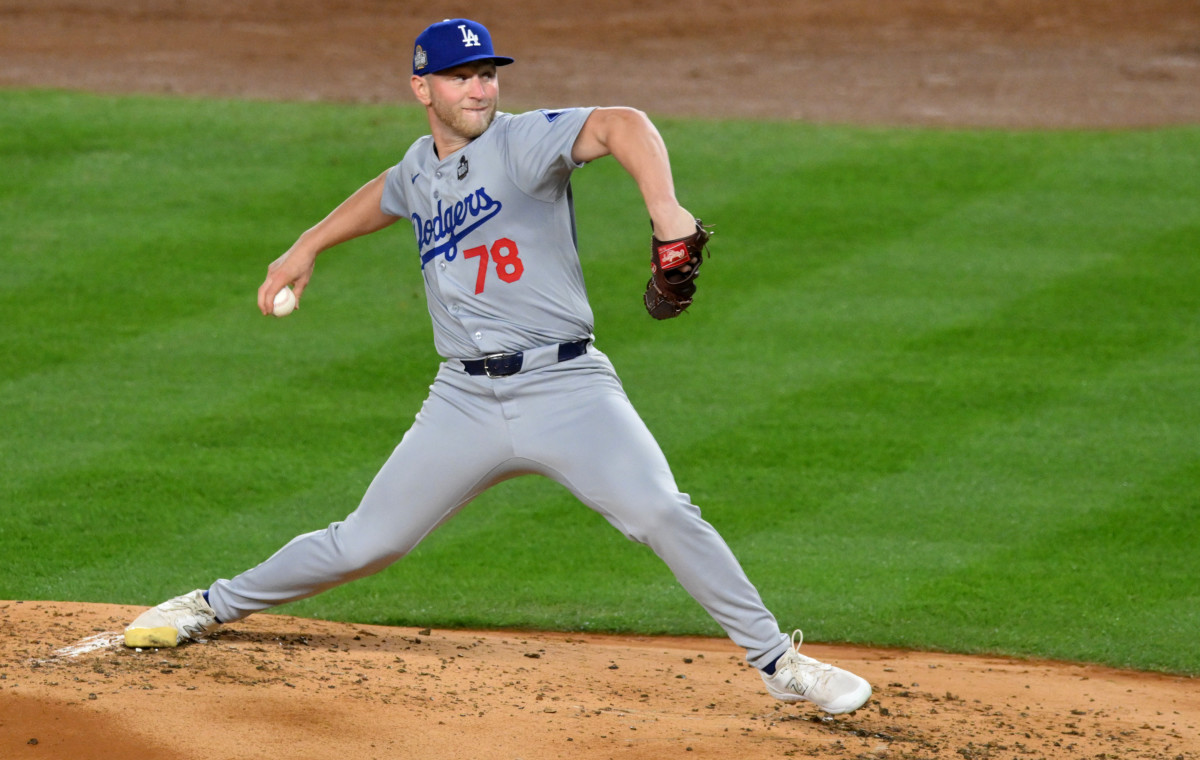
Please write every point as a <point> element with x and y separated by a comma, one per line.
<point>414,178</point>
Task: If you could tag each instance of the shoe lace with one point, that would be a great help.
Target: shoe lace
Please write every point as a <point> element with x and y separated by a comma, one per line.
<point>805,670</point>
<point>797,639</point>
<point>179,604</point>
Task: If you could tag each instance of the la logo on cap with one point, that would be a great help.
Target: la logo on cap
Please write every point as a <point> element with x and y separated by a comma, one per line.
<point>470,38</point>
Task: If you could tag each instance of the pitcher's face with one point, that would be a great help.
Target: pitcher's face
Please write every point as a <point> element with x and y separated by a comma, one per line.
<point>464,98</point>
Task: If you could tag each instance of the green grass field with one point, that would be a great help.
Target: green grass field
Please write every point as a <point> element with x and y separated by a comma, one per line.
<point>939,389</point>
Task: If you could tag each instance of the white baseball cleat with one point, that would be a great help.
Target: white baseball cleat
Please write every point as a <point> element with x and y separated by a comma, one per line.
<point>184,618</point>
<point>798,677</point>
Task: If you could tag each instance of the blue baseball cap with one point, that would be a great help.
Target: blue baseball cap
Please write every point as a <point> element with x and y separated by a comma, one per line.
<point>452,42</point>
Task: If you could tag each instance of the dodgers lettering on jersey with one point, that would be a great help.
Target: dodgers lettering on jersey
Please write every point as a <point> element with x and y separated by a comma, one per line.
<point>439,235</point>
<point>495,229</point>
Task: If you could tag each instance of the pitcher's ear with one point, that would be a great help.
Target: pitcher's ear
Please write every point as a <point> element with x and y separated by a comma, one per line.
<point>420,88</point>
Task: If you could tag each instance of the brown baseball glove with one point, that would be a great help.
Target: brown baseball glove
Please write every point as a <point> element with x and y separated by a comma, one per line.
<point>674,267</point>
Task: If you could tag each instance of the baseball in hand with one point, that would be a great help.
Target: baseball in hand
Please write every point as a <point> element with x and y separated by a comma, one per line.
<point>285,302</point>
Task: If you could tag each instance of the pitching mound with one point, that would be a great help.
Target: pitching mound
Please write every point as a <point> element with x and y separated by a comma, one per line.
<point>274,686</point>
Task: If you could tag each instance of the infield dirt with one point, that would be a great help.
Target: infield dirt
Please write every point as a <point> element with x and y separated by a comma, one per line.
<point>276,686</point>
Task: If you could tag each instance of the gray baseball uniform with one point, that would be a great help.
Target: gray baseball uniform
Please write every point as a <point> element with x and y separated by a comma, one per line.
<point>495,230</point>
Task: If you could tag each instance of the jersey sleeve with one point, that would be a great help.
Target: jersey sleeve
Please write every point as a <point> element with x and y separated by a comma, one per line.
<point>538,150</point>
<point>399,180</point>
<point>393,201</point>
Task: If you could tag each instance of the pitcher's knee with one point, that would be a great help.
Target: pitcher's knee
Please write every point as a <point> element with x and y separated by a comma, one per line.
<point>351,556</point>
<point>652,518</point>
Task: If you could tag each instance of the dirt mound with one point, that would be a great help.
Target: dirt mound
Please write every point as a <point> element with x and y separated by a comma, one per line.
<point>274,686</point>
<point>1084,63</point>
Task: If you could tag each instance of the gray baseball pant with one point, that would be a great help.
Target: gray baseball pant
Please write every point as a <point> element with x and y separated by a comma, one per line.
<point>570,422</point>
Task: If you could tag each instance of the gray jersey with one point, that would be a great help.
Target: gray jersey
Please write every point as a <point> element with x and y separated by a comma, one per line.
<point>495,230</point>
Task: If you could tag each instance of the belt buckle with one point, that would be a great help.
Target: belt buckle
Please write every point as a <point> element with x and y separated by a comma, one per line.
<point>487,368</point>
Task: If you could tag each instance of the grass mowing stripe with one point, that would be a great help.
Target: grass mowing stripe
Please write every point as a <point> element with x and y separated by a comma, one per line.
<point>1019,472</point>
<point>152,223</point>
<point>866,308</point>
<point>1048,506</point>
<point>894,323</point>
<point>178,426</point>
<point>1083,327</point>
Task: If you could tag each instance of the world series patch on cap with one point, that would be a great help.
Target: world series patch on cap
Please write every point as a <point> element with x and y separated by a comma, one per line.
<point>453,42</point>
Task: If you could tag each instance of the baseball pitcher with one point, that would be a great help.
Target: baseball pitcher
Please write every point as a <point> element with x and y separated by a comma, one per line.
<point>522,388</point>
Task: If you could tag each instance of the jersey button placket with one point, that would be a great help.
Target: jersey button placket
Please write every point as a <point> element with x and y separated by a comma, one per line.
<point>447,287</point>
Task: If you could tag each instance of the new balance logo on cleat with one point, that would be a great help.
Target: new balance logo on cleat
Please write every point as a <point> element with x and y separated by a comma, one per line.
<point>798,677</point>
